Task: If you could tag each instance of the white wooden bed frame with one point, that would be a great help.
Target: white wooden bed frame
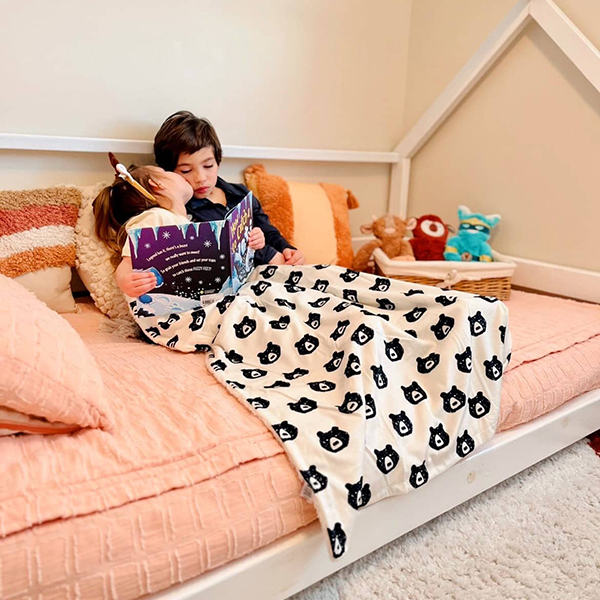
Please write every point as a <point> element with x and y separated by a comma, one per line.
<point>302,558</point>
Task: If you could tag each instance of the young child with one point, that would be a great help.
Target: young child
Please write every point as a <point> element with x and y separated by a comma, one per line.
<point>190,146</point>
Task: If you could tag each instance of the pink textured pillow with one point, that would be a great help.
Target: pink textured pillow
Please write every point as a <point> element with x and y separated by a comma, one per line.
<point>46,371</point>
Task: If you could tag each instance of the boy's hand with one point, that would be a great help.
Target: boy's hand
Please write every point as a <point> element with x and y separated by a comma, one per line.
<point>277,259</point>
<point>256,241</point>
<point>293,257</point>
<point>137,283</point>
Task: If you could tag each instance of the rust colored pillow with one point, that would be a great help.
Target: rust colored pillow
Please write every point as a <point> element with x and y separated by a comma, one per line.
<point>292,208</point>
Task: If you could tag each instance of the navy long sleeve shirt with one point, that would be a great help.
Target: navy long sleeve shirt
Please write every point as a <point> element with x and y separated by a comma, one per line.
<point>204,210</point>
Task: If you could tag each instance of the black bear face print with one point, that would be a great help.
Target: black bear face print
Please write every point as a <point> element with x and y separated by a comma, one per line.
<point>337,539</point>
<point>153,332</point>
<point>362,334</point>
<point>293,289</point>
<point>443,327</point>
<point>198,317</point>
<point>133,304</point>
<point>245,328</point>
<point>349,275</point>
<point>464,361</point>
<point>401,423</point>
<point>418,475</point>
<point>321,267</point>
<point>166,324</point>
<point>321,285</point>
<point>341,306</point>
<point>315,480</point>
<point>258,403</point>
<point>454,400</point>
<point>415,314</point>
<point>294,278</point>
<point>352,402</point>
<point>236,385</point>
<point>297,372</point>
<point>234,357</point>
<point>414,393</point>
<point>387,459</point>
<point>413,292</point>
<point>319,302</point>
<point>479,406</point>
<point>285,303</point>
<point>370,408</point>
<point>173,341</point>
<point>340,330</point>
<point>304,405</point>
<point>260,288</point>
<point>277,384</point>
<point>202,347</point>
<point>281,323</point>
<point>322,386</point>
<point>358,494</point>
<point>253,373</point>
<point>493,368</point>
<point>438,438</point>
<point>286,431</point>
<point>394,350</point>
<point>335,362</point>
<point>224,304</point>
<point>314,320</point>
<point>307,345</point>
<point>218,365</point>
<point>381,284</point>
<point>465,444</point>
<point>268,272</point>
<point>334,440</point>
<point>508,357</point>
<point>429,363</point>
<point>370,314</point>
<point>142,312</point>
<point>489,299</point>
<point>350,295</point>
<point>411,332</point>
<point>478,324</point>
<point>352,366</point>
<point>258,307</point>
<point>379,376</point>
<point>502,331</point>
<point>270,354</point>
<point>386,304</point>
<point>445,300</point>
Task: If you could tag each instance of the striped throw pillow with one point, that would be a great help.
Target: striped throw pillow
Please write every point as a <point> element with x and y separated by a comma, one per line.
<point>37,229</point>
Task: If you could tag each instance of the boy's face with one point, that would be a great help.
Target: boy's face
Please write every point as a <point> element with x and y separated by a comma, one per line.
<point>200,170</point>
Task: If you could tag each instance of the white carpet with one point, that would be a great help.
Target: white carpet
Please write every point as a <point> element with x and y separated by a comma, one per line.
<point>535,536</point>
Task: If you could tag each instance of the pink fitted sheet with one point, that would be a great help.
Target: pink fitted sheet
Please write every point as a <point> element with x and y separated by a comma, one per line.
<point>190,479</point>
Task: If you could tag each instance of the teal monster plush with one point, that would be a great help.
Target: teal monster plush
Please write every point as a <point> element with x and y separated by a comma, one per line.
<point>470,243</point>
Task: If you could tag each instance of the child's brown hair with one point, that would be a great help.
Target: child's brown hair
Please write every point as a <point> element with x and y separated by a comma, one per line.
<point>116,204</point>
<point>184,132</point>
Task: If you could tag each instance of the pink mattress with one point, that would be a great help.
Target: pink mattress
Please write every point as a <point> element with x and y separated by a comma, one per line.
<point>190,479</point>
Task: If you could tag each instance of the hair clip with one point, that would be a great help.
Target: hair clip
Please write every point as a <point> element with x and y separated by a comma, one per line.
<point>123,173</point>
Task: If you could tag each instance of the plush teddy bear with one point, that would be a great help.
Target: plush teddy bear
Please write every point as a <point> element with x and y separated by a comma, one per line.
<point>429,237</point>
<point>470,244</point>
<point>389,232</point>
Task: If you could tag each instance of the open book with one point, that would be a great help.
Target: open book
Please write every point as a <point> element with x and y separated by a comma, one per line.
<point>194,263</point>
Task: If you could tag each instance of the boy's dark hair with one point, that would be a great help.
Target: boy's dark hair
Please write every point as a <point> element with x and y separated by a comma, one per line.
<point>184,132</point>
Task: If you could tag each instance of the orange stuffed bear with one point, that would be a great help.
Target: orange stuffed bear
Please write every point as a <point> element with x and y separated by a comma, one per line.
<point>389,233</point>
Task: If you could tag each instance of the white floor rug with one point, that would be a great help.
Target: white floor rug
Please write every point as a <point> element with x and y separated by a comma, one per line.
<point>536,536</point>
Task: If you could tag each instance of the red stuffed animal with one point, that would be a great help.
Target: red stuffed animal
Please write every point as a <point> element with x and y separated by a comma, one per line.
<point>429,237</point>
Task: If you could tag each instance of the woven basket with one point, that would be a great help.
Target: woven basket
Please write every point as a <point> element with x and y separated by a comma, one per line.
<point>485,279</point>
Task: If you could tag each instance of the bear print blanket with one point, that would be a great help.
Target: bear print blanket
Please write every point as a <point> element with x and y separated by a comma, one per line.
<point>373,386</point>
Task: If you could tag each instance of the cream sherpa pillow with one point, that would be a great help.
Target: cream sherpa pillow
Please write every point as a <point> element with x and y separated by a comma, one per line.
<point>93,261</point>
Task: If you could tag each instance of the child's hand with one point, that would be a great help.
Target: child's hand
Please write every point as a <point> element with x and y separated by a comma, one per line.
<point>256,241</point>
<point>137,283</point>
<point>277,259</point>
<point>293,257</point>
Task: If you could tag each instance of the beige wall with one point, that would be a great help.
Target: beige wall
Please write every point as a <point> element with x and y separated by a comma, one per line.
<point>525,143</point>
<point>295,73</point>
